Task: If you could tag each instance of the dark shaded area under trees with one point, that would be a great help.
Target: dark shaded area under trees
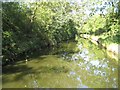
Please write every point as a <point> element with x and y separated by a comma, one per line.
<point>27,28</point>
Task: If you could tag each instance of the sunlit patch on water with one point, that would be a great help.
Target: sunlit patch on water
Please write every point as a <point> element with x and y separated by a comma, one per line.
<point>72,73</point>
<point>82,86</point>
<point>80,46</point>
<point>94,63</point>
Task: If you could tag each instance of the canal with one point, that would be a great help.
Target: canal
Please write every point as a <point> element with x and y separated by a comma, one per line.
<point>69,65</point>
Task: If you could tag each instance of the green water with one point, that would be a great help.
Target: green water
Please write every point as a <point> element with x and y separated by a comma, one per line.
<point>71,65</point>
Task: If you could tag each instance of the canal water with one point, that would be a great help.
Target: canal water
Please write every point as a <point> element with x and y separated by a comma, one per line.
<point>69,65</point>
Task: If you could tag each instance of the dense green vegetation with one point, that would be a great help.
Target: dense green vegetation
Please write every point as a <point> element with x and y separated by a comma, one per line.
<point>28,27</point>
<point>34,25</point>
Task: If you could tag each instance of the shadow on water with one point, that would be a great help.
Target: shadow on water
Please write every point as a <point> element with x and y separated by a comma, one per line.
<point>64,48</point>
<point>14,70</point>
<point>54,69</point>
<point>21,71</point>
<point>32,54</point>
